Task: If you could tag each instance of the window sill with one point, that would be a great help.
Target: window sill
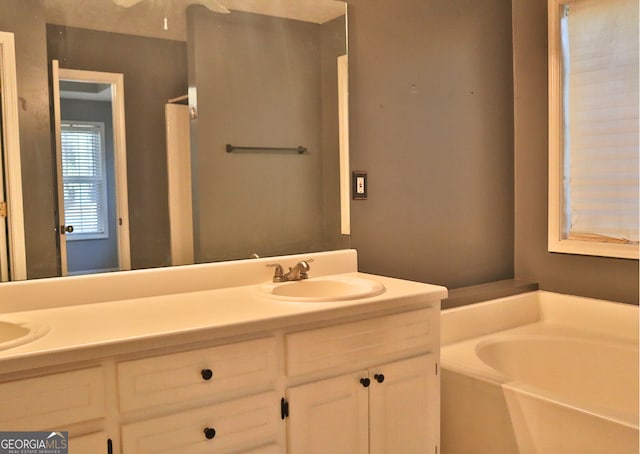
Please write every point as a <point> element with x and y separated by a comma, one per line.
<point>595,248</point>
<point>86,237</point>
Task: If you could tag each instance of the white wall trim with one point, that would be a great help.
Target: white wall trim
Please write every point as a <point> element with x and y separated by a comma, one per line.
<point>13,167</point>
<point>343,135</point>
<point>179,182</point>
<point>62,243</point>
<point>116,80</point>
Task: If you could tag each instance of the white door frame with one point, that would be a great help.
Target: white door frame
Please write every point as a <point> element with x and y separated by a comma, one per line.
<point>343,139</point>
<point>179,181</point>
<point>16,253</point>
<point>116,80</point>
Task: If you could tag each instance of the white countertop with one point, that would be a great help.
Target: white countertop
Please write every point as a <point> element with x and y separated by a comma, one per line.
<point>87,331</point>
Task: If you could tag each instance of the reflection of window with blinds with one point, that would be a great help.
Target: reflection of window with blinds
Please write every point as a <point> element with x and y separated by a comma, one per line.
<point>84,180</point>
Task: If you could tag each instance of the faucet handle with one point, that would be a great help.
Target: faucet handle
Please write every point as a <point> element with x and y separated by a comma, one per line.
<point>278,274</point>
<point>304,271</point>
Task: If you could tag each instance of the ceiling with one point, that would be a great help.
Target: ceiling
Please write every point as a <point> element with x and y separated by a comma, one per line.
<point>88,91</point>
<point>147,18</point>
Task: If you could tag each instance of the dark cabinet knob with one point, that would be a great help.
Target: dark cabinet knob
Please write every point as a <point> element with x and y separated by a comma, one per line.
<point>379,378</point>
<point>209,432</point>
<point>207,374</point>
<point>365,382</point>
<point>66,229</point>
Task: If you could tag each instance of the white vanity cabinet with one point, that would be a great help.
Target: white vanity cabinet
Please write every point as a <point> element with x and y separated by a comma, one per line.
<point>57,402</point>
<point>229,387</point>
<point>385,406</point>
<point>93,443</point>
<point>388,409</point>
<point>231,371</point>
<point>366,386</point>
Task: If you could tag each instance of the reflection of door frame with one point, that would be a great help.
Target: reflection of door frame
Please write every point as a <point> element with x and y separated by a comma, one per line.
<point>12,167</point>
<point>116,81</point>
<point>343,139</point>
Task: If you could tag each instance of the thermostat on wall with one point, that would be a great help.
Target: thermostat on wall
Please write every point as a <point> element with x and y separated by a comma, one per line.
<point>359,185</point>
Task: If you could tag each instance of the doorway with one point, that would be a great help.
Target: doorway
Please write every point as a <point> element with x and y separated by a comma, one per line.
<point>93,218</point>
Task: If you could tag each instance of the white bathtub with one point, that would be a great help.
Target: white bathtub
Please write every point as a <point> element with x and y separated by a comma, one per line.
<point>540,373</point>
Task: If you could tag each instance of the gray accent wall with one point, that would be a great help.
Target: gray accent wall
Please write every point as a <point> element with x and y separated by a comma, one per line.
<point>431,101</point>
<point>448,116</point>
<point>449,119</point>
<point>596,277</point>
<point>259,84</point>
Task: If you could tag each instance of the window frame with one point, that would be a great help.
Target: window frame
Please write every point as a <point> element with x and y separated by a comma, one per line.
<point>78,236</point>
<point>556,199</point>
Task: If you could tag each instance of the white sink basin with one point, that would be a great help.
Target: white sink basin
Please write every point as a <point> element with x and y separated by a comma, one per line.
<point>13,333</point>
<point>326,288</point>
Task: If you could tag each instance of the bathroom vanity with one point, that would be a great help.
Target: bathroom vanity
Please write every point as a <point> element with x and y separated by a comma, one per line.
<point>235,369</point>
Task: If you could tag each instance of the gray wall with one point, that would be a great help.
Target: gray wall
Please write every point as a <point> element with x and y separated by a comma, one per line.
<point>101,253</point>
<point>25,18</point>
<point>432,115</point>
<point>432,124</point>
<point>258,82</point>
<point>154,71</point>
<point>597,277</point>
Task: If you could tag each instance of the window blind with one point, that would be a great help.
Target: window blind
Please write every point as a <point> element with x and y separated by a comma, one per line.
<point>83,174</point>
<point>600,47</point>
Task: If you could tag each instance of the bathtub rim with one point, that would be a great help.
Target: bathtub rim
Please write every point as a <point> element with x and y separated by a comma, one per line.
<point>486,317</point>
<point>539,313</point>
<point>462,356</point>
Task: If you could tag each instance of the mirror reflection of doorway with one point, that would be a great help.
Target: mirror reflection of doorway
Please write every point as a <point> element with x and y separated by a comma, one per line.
<point>91,169</point>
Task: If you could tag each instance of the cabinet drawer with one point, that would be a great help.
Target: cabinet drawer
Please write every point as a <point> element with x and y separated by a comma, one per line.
<point>238,424</point>
<point>52,401</point>
<point>191,375</point>
<point>349,343</point>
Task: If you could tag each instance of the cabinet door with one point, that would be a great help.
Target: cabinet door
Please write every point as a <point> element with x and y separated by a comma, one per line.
<point>269,449</point>
<point>93,443</point>
<point>329,416</point>
<point>404,406</point>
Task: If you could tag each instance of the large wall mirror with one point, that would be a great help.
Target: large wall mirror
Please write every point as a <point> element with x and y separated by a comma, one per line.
<point>219,126</point>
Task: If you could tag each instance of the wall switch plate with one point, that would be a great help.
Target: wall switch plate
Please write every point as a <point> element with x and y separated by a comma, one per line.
<point>359,185</point>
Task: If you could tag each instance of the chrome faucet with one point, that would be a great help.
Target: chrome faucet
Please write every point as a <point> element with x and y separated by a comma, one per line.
<point>297,272</point>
